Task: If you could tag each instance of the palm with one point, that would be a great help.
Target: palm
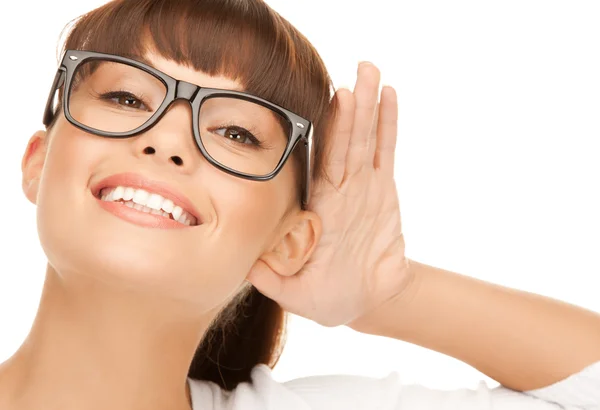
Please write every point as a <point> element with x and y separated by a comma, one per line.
<point>359,261</point>
<point>362,239</point>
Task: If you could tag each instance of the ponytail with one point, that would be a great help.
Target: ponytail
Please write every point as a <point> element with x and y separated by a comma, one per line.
<point>247,332</point>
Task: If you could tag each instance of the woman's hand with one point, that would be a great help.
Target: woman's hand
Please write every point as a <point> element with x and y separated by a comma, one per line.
<point>359,263</point>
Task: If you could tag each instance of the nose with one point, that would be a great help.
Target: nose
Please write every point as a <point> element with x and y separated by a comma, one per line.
<point>170,141</point>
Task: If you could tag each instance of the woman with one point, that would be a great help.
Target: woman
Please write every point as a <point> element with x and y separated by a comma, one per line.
<point>173,250</point>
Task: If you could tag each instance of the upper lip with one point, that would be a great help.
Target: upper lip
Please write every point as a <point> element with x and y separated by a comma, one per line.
<point>133,180</point>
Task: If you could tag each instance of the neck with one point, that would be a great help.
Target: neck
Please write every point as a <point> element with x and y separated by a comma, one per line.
<point>95,346</point>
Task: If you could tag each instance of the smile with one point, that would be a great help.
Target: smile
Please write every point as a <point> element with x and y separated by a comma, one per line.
<point>144,201</point>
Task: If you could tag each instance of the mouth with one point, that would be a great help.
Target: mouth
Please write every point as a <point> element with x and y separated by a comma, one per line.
<point>147,202</point>
<point>135,192</point>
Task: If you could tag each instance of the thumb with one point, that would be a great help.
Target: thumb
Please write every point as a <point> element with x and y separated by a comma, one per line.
<point>266,280</point>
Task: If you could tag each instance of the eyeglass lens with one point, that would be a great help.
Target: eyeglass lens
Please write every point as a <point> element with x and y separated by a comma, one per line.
<point>115,97</point>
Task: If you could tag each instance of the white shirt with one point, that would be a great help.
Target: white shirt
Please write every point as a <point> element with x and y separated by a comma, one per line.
<point>344,392</point>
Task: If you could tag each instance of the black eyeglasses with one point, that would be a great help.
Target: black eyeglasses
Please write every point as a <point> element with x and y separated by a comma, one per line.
<point>239,133</point>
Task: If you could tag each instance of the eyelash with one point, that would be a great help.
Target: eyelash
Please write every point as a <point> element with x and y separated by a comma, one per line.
<point>255,139</point>
<point>109,95</point>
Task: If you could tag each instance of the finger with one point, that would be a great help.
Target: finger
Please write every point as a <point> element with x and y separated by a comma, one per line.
<point>285,290</point>
<point>265,280</point>
<point>387,131</point>
<point>365,96</point>
<point>340,135</point>
<point>373,136</point>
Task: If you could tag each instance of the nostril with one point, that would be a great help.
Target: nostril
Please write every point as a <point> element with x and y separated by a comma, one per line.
<point>177,160</point>
<point>149,150</point>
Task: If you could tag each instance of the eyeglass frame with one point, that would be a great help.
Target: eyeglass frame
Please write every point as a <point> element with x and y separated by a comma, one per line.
<point>195,95</point>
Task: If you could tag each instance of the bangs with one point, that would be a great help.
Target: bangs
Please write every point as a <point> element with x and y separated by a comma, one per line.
<point>243,40</point>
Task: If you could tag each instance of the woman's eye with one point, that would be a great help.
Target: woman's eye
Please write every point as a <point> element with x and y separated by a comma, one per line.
<point>237,134</point>
<point>125,99</point>
<point>129,101</point>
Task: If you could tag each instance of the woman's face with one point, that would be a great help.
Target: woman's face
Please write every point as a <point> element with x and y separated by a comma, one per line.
<point>242,220</point>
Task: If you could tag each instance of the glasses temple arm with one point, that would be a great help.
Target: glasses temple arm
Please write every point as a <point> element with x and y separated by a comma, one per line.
<point>58,82</point>
<point>308,143</point>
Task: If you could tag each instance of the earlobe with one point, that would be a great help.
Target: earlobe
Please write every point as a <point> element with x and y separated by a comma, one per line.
<point>32,165</point>
<point>289,255</point>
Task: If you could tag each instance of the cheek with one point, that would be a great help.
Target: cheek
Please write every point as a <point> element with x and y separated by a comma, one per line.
<point>70,157</point>
<point>249,212</point>
<point>246,212</point>
<point>70,161</point>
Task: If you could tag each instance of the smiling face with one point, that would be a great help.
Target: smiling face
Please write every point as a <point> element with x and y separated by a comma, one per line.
<point>240,221</point>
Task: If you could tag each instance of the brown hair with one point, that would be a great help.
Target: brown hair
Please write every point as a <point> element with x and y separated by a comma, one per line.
<point>248,41</point>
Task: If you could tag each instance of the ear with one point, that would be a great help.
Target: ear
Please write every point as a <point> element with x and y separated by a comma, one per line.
<point>32,165</point>
<point>287,257</point>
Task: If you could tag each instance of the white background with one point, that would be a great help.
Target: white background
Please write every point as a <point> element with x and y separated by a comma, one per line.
<point>497,161</point>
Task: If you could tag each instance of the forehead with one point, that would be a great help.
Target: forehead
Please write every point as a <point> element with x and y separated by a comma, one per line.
<point>185,73</point>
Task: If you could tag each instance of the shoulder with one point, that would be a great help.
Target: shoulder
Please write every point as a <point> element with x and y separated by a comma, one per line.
<point>347,392</point>
<point>343,391</point>
<point>580,391</point>
<point>328,392</point>
<point>264,393</point>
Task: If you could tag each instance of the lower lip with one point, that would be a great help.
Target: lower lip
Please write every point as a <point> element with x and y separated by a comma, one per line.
<point>139,217</point>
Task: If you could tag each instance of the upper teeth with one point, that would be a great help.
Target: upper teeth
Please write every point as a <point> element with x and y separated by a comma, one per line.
<point>147,202</point>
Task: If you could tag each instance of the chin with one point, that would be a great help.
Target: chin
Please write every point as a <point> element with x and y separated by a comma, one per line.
<point>175,263</point>
<point>83,239</point>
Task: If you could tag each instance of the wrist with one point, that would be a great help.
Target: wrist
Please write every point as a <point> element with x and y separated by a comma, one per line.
<point>384,319</point>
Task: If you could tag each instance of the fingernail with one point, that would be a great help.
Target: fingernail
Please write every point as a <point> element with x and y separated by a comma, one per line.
<point>364,63</point>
